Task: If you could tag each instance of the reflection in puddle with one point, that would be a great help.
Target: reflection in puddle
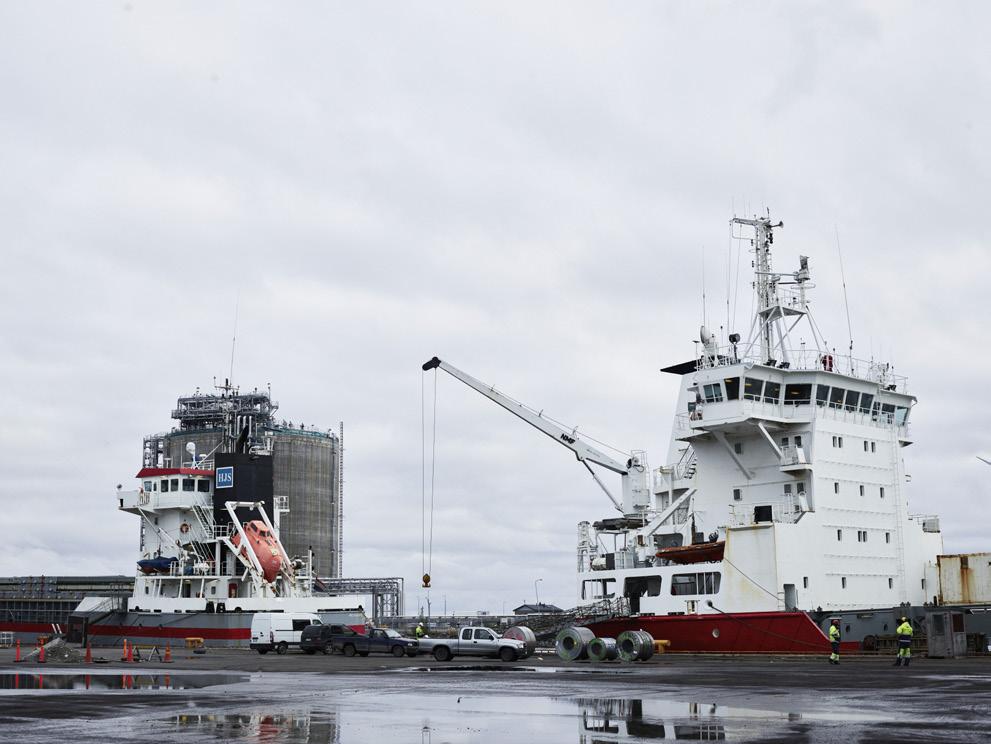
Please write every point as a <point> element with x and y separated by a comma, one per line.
<point>295,727</point>
<point>488,719</point>
<point>27,682</point>
<point>624,720</point>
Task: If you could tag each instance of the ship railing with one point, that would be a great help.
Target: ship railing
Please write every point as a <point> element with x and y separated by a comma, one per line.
<point>198,464</point>
<point>178,500</point>
<point>810,360</point>
<point>929,522</point>
<point>184,570</point>
<point>792,454</point>
<point>222,531</point>
<point>787,510</point>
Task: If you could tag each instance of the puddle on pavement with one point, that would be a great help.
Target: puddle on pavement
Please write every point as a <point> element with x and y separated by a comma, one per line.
<point>14,682</point>
<point>507,668</point>
<point>486,719</point>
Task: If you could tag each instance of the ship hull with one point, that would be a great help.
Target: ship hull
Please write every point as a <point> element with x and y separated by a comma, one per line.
<point>726,633</point>
<point>217,629</point>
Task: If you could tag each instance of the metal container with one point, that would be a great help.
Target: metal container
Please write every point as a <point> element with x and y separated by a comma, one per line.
<point>964,579</point>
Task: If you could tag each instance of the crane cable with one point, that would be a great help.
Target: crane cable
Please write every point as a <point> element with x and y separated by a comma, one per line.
<point>427,525</point>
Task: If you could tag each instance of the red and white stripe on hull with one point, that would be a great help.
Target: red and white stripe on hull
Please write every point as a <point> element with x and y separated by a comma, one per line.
<point>726,633</point>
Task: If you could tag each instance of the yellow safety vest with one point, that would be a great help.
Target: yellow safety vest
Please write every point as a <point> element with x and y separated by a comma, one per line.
<point>834,633</point>
<point>905,629</point>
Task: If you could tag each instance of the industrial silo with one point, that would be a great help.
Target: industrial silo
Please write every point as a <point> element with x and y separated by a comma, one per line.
<point>307,470</point>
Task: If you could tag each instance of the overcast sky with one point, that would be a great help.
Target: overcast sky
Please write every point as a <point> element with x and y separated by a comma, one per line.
<point>526,190</point>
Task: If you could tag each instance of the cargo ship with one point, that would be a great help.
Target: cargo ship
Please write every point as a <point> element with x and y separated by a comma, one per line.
<point>783,504</point>
<point>209,551</point>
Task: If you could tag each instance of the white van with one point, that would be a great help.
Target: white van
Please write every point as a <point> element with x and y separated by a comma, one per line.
<point>279,630</point>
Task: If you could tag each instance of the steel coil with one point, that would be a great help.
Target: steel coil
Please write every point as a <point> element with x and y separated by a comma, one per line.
<point>525,634</point>
<point>647,648</point>
<point>572,643</point>
<point>628,645</point>
<point>602,649</point>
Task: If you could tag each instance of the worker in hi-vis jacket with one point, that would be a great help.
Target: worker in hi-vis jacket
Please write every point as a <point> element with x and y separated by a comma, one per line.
<point>834,641</point>
<point>904,633</point>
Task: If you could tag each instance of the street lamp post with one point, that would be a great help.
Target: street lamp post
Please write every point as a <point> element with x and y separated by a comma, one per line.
<point>537,593</point>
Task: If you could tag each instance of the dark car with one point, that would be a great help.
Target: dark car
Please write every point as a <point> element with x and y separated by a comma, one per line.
<point>320,637</point>
<point>378,641</point>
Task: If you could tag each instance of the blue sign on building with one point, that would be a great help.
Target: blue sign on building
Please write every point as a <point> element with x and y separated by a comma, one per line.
<point>225,477</point>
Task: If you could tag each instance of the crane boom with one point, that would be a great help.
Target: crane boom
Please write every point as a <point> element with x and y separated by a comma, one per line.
<point>585,453</point>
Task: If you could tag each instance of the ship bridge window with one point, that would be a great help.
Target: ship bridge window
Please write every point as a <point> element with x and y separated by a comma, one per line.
<point>798,395</point>
<point>188,485</point>
<point>203,485</point>
<point>175,484</point>
<point>752,388</point>
<point>822,395</point>
<point>836,396</point>
<point>598,589</point>
<point>732,388</point>
<point>165,486</point>
<point>866,400</point>
<point>901,415</point>
<point>852,400</point>
<point>772,391</point>
<point>713,393</point>
<point>147,485</point>
<point>887,412</point>
<point>695,583</point>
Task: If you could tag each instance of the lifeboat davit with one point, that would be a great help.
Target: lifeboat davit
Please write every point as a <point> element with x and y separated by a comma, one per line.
<point>701,553</point>
<point>266,547</point>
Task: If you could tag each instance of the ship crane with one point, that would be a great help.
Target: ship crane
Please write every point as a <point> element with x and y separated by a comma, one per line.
<point>633,473</point>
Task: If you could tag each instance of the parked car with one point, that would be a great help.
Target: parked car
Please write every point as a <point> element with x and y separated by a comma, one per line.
<point>473,641</point>
<point>378,641</point>
<point>277,631</point>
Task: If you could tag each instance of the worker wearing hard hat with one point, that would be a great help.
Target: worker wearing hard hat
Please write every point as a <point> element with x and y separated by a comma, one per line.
<point>420,631</point>
<point>834,641</point>
<point>904,633</point>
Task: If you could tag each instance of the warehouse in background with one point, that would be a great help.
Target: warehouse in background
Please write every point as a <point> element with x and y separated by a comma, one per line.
<point>306,462</point>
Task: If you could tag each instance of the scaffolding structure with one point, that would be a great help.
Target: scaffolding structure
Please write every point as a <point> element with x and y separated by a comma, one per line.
<point>386,593</point>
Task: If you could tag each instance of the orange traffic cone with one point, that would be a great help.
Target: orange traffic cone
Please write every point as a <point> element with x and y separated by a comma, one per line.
<point>41,654</point>
<point>168,654</point>
<point>89,654</point>
<point>123,653</point>
<point>17,653</point>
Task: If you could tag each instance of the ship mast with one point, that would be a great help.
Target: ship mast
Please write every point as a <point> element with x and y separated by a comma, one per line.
<point>774,308</point>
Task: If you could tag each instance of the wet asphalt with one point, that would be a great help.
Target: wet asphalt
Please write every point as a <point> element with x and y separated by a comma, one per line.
<point>236,695</point>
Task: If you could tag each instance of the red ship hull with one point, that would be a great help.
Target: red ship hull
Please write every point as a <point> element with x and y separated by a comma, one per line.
<point>726,633</point>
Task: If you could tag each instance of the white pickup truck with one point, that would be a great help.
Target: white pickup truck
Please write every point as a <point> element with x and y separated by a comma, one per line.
<point>473,641</point>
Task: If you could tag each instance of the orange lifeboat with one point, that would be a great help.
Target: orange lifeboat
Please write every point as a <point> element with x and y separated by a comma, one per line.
<point>266,547</point>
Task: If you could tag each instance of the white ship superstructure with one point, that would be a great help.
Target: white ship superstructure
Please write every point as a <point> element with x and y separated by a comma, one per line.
<point>190,562</point>
<point>786,485</point>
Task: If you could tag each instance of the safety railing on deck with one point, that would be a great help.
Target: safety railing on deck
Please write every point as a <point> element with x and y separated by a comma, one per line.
<point>811,360</point>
